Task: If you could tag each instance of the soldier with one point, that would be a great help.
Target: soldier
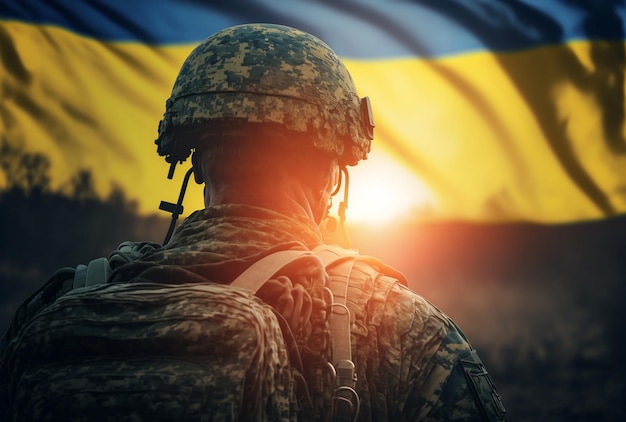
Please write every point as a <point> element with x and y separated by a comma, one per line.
<point>271,119</point>
<point>273,116</point>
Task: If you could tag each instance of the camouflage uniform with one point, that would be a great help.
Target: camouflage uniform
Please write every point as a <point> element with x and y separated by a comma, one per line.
<point>409,355</point>
<point>413,363</point>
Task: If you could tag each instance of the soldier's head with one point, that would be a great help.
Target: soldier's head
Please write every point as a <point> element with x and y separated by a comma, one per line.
<point>262,101</point>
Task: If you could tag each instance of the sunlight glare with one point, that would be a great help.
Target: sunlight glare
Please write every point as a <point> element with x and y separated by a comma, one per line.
<point>382,189</point>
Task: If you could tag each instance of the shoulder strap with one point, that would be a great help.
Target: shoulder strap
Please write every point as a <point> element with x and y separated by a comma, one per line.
<point>332,254</point>
<point>98,270</point>
<point>265,268</point>
<point>338,263</point>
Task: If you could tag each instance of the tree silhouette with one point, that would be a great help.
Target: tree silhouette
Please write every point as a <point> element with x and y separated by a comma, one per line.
<point>34,173</point>
<point>28,172</point>
<point>117,200</point>
<point>9,156</point>
<point>82,186</point>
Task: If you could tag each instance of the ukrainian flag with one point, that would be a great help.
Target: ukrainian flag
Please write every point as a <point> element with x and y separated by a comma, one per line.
<point>507,110</point>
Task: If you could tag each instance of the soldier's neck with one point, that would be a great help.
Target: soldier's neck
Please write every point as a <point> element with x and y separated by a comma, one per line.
<point>285,200</point>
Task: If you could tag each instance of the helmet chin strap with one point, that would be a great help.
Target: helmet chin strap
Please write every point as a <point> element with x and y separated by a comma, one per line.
<point>334,229</point>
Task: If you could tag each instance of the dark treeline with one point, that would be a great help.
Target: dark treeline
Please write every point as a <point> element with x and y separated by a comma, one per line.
<point>542,304</point>
<point>42,231</point>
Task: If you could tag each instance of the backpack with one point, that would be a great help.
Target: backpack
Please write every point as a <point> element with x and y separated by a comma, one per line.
<point>150,351</point>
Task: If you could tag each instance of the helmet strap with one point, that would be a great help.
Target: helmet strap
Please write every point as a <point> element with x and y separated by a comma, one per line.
<point>334,229</point>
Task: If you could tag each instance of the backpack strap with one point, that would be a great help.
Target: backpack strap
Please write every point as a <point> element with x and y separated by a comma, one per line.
<point>339,263</point>
<point>99,269</point>
<point>332,254</point>
<point>265,268</point>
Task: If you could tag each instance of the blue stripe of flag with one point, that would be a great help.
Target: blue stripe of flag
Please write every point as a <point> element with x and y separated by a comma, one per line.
<point>365,29</point>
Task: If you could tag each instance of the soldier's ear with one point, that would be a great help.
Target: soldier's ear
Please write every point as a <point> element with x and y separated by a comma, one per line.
<point>197,167</point>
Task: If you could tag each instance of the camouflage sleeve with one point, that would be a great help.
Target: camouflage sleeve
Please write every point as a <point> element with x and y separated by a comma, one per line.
<point>457,385</point>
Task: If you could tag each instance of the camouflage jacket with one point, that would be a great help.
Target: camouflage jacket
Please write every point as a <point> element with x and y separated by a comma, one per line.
<point>412,361</point>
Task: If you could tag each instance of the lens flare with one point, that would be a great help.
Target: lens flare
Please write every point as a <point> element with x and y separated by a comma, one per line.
<point>382,189</point>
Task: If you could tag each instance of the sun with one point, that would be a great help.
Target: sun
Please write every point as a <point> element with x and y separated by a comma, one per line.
<point>382,189</point>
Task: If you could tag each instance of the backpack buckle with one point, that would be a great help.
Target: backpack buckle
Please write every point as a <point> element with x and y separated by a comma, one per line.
<point>346,402</point>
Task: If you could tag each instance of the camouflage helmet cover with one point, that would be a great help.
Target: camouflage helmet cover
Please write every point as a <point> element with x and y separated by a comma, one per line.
<point>265,73</point>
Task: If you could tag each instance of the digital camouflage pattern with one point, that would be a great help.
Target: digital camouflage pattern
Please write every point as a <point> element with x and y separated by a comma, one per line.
<point>412,362</point>
<point>410,356</point>
<point>264,73</point>
<point>147,351</point>
<point>158,350</point>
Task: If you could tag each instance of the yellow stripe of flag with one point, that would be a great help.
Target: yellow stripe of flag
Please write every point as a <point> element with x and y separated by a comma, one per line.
<point>495,137</point>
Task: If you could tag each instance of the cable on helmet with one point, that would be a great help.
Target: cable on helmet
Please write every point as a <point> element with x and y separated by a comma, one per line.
<point>177,208</point>
<point>334,230</point>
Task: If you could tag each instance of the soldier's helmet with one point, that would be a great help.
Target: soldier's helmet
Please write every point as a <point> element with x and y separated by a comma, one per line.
<point>269,75</point>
